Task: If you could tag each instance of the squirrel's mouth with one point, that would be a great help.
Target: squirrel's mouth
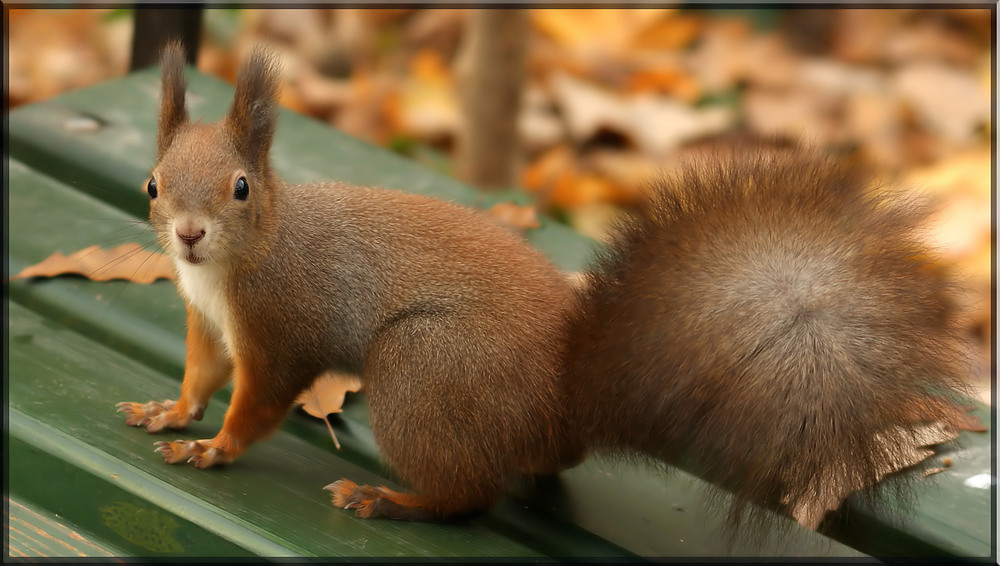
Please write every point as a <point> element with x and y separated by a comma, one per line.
<point>193,259</point>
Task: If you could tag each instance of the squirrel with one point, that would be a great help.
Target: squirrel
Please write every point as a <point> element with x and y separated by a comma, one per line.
<point>765,319</point>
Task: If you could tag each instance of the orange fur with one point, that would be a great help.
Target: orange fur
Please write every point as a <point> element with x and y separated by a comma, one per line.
<point>206,368</point>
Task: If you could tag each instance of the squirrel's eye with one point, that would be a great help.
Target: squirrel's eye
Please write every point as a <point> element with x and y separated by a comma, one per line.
<point>242,189</point>
<point>151,188</point>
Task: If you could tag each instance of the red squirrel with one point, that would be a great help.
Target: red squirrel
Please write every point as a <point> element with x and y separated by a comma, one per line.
<point>765,320</point>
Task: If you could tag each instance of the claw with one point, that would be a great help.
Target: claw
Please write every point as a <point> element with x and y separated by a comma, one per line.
<point>154,415</point>
<point>343,493</point>
<point>208,458</point>
<point>195,452</point>
<point>178,450</point>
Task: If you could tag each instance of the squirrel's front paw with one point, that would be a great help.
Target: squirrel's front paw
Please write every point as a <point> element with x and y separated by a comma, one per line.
<point>139,414</point>
<point>201,453</point>
<point>156,416</point>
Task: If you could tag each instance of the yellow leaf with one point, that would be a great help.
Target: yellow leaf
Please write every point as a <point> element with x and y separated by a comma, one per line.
<point>426,105</point>
<point>326,395</point>
<point>595,29</point>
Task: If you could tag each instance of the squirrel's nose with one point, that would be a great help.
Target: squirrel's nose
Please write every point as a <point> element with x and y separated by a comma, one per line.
<point>191,238</point>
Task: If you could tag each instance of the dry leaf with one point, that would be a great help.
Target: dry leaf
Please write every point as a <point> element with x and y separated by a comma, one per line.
<point>676,82</point>
<point>950,103</point>
<point>629,172</point>
<point>574,189</point>
<point>673,32</point>
<point>540,126</point>
<point>587,107</point>
<point>595,30</point>
<point>426,105</point>
<point>860,35</point>
<point>128,261</point>
<point>657,125</point>
<point>439,29</point>
<point>596,220</point>
<point>962,182</point>
<point>546,168</point>
<point>795,114</point>
<point>934,39</point>
<point>719,60</point>
<point>326,395</point>
<point>515,215</point>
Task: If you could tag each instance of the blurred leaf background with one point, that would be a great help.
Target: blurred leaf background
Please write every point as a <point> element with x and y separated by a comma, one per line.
<point>611,96</point>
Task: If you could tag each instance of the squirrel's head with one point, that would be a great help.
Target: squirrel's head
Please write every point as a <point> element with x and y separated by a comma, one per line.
<point>212,191</point>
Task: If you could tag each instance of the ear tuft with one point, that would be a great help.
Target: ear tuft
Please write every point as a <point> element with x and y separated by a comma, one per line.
<point>173,113</point>
<point>253,115</point>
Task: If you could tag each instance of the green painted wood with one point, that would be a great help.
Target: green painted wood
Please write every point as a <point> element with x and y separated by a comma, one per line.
<point>33,532</point>
<point>270,502</point>
<point>118,522</point>
<point>72,185</point>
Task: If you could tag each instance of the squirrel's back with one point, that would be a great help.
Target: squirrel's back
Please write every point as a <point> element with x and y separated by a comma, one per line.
<point>787,319</point>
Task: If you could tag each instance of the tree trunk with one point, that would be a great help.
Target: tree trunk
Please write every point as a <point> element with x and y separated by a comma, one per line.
<point>154,27</point>
<point>490,72</point>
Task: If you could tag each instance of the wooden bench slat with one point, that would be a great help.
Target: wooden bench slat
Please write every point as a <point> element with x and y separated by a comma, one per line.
<point>68,384</point>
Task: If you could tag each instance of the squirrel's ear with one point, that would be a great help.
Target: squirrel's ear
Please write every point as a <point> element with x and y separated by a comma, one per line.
<point>173,114</point>
<point>252,117</point>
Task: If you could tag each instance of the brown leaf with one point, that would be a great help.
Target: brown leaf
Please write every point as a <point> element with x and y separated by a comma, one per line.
<point>547,167</point>
<point>427,106</point>
<point>128,261</point>
<point>675,82</point>
<point>656,125</point>
<point>596,30</point>
<point>326,395</point>
<point>670,32</point>
<point>514,215</point>
<point>950,103</point>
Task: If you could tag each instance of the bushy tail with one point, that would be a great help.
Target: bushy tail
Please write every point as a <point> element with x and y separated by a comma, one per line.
<point>774,324</point>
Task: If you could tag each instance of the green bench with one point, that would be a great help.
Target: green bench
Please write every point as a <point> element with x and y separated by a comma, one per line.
<point>82,483</point>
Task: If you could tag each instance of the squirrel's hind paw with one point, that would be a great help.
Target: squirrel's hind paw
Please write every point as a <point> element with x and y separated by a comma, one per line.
<point>369,502</point>
<point>349,495</point>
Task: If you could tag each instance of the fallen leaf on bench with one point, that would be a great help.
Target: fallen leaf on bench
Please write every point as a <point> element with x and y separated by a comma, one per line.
<point>129,261</point>
<point>326,395</point>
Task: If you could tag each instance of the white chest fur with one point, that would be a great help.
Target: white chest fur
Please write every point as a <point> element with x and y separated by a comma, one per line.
<point>202,286</point>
